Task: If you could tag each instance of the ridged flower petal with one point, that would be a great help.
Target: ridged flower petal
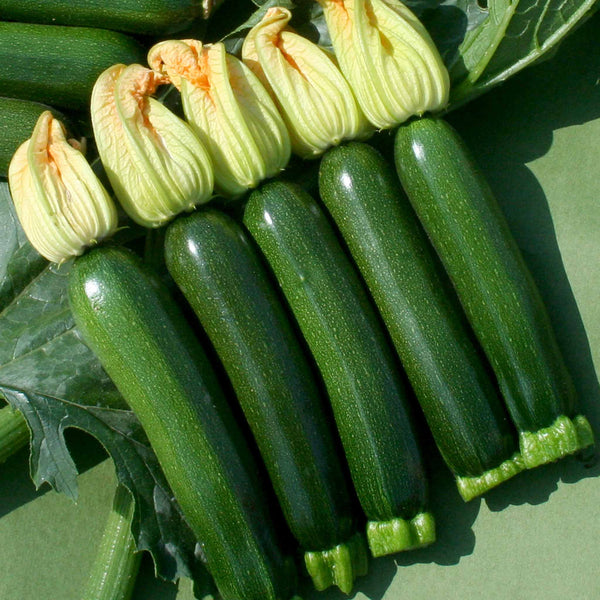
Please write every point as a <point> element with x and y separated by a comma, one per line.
<point>156,164</point>
<point>230,111</point>
<point>60,202</point>
<point>388,57</point>
<point>315,100</point>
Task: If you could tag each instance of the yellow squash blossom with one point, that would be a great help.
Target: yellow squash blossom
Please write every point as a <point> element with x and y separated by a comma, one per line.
<point>315,100</point>
<point>230,111</point>
<point>156,164</point>
<point>388,57</point>
<point>60,202</point>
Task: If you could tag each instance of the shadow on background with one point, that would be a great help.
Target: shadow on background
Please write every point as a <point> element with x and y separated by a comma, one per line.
<point>16,487</point>
<point>148,586</point>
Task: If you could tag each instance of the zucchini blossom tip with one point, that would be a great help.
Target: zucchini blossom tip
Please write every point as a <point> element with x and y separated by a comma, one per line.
<point>389,59</point>
<point>229,110</point>
<point>316,102</point>
<point>156,164</point>
<point>60,202</point>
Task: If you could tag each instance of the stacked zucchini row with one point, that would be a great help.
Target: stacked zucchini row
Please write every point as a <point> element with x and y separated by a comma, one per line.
<point>312,335</point>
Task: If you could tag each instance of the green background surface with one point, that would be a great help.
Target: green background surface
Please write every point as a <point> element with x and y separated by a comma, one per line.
<point>538,536</point>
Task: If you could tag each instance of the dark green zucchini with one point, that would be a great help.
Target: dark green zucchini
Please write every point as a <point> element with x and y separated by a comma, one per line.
<point>146,17</point>
<point>160,369</point>
<point>467,228</point>
<point>355,360</point>
<point>220,274</point>
<point>59,65</point>
<point>17,120</point>
<point>462,407</point>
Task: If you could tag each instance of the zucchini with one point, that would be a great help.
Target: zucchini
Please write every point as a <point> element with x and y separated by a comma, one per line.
<point>59,65</point>
<point>17,120</point>
<point>358,367</point>
<point>134,328</point>
<point>214,264</point>
<point>462,407</point>
<point>147,17</point>
<point>467,228</point>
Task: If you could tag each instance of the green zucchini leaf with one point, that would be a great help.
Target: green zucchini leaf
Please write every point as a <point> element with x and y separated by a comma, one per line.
<point>50,375</point>
<point>483,42</point>
<point>158,526</point>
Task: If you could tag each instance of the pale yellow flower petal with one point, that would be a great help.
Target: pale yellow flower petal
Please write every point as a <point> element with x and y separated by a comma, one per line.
<point>229,110</point>
<point>389,59</point>
<point>156,164</point>
<point>61,204</point>
<point>315,100</point>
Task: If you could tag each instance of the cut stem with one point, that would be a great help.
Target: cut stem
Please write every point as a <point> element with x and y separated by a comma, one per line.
<point>14,433</point>
<point>117,563</point>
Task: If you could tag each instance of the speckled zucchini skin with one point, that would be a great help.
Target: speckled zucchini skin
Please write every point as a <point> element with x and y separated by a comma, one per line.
<point>59,65</point>
<point>146,17</point>
<point>156,363</point>
<point>466,226</point>
<point>220,273</point>
<point>462,407</point>
<point>348,343</point>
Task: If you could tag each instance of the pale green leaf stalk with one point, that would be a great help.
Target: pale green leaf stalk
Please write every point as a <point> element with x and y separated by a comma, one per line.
<point>61,204</point>
<point>230,111</point>
<point>389,59</point>
<point>117,563</point>
<point>315,100</point>
<point>14,433</point>
<point>154,161</point>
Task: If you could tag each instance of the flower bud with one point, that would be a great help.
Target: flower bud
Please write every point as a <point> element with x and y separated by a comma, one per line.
<point>60,202</point>
<point>230,111</point>
<point>315,100</point>
<point>388,57</point>
<point>156,164</point>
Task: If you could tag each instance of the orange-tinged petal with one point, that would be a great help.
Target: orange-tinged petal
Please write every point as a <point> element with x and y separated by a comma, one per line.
<point>60,202</point>
<point>315,100</point>
<point>229,110</point>
<point>156,164</point>
<point>389,59</point>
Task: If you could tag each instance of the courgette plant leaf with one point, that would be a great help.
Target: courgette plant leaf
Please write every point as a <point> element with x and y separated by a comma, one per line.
<point>56,382</point>
<point>482,42</point>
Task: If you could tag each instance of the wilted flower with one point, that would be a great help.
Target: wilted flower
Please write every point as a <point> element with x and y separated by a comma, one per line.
<point>62,206</point>
<point>156,164</point>
<point>315,100</point>
<point>230,111</point>
<point>388,57</point>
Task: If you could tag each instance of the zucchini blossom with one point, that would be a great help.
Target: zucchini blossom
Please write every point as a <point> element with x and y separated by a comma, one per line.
<point>60,202</point>
<point>156,164</point>
<point>315,100</point>
<point>230,111</point>
<point>389,59</point>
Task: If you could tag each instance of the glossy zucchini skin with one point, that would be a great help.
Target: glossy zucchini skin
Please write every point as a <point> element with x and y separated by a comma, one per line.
<point>466,226</point>
<point>17,120</point>
<point>462,407</point>
<point>214,264</point>
<point>59,65</point>
<point>134,328</point>
<point>349,346</point>
<point>146,17</point>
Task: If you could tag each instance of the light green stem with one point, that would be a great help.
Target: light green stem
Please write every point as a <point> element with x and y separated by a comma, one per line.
<point>397,535</point>
<point>113,573</point>
<point>14,433</point>
<point>340,565</point>
<point>471,487</point>
<point>565,436</point>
